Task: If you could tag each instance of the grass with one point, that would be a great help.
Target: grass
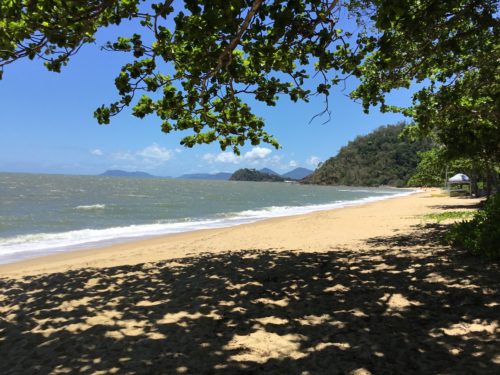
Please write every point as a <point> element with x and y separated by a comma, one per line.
<point>449,215</point>
<point>439,195</point>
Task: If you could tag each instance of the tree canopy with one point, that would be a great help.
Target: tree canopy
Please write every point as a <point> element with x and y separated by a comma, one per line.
<point>435,166</point>
<point>195,63</point>
<point>451,49</point>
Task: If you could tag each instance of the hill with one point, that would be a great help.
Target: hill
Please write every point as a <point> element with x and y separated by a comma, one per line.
<point>206,176</point>
<point>297,173</point>
<point>120,173</point>
<point>379,158</point>
<point>269,171</point>
<point>246,174</point>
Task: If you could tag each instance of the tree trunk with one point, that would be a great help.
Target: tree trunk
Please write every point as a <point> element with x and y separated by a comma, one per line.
<point>474,189</point>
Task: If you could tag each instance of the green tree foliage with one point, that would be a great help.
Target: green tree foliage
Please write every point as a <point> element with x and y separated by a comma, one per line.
<point>382,157</point>
<point>54,30</point>
<point>430,170</point>
<point>481,235</point>
<point>194,65</point>
<point>218,52</point>
<point>451,49</point>
<point>246,174</point>
<point>434,163</point>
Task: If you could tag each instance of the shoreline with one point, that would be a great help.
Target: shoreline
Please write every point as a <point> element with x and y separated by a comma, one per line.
<point>236,237</point>
<point>22,247</point>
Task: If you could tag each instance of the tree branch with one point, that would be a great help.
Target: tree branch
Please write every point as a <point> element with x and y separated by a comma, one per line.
<point>236,40</point>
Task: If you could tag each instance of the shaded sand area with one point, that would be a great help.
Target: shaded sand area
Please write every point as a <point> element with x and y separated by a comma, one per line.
<point>361,290</point>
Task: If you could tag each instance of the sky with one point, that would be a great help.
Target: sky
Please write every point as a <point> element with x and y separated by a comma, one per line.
<point>47,125</point>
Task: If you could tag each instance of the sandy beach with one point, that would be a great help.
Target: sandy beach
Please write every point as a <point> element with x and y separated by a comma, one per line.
<point>360,290</point>
<point>346,228</point>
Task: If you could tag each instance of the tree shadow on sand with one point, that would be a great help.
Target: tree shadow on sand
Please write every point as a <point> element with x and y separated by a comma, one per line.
<point>400,304</point>
<point>465,206</point>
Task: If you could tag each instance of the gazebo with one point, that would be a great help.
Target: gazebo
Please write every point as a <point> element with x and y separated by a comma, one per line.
<point>459,179</point>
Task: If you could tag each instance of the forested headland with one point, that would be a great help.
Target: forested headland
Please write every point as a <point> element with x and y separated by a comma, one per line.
<point>246,174</point>
<point>383,157</point>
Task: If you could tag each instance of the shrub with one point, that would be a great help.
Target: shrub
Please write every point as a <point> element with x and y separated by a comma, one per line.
<point>449,215</point>
<point>481,235</point>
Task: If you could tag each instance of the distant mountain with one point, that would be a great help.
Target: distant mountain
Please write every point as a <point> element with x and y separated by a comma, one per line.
<point>206,176</point>
<point>297,173</point>
<point>269,171</point>
<point>119,173</point>
<point>254,175</point>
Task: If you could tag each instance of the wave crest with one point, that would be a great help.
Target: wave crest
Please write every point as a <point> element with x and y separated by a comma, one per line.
<point>91,207</point>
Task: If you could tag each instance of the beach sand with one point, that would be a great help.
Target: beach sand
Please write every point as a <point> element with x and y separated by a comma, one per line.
<point>360,290</point>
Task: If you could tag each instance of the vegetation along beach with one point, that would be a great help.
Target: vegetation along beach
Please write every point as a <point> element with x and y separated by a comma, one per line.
<point>249,187</point>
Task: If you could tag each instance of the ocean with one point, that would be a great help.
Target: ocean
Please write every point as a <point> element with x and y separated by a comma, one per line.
<point>45,214</point>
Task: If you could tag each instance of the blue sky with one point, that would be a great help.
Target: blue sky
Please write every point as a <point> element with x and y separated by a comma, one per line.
<point>47,125</point>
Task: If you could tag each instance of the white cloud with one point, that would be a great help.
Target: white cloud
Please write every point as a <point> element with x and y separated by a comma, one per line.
<point>222,157</point>
<point>156,153</point>
<point>208,157</point>
<point>253,156</point>
<point>227,157</point>
<point>275,161</point>
<point>149,157</point>
<point>257,157</point>
<point>257,153</point>
<point>96,152</point>
<point>123,155</point>
<point>313,161</point>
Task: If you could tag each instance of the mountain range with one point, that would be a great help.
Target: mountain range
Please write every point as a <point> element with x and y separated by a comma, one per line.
<point>120,173</point>
<point>295,174</point>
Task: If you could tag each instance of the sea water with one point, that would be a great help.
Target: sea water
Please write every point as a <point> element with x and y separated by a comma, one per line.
<point>44,214</point>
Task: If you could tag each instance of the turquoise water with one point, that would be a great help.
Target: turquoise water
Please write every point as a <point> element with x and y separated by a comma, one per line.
<point>42,214</point>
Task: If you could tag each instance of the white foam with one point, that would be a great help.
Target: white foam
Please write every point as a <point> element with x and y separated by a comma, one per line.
<point>31,245</point>
<point>91,207</point>
<point>54,242</point>
<point>372,191</point>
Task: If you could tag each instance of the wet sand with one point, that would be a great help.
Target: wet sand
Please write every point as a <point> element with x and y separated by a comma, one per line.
<point>365,289</point>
